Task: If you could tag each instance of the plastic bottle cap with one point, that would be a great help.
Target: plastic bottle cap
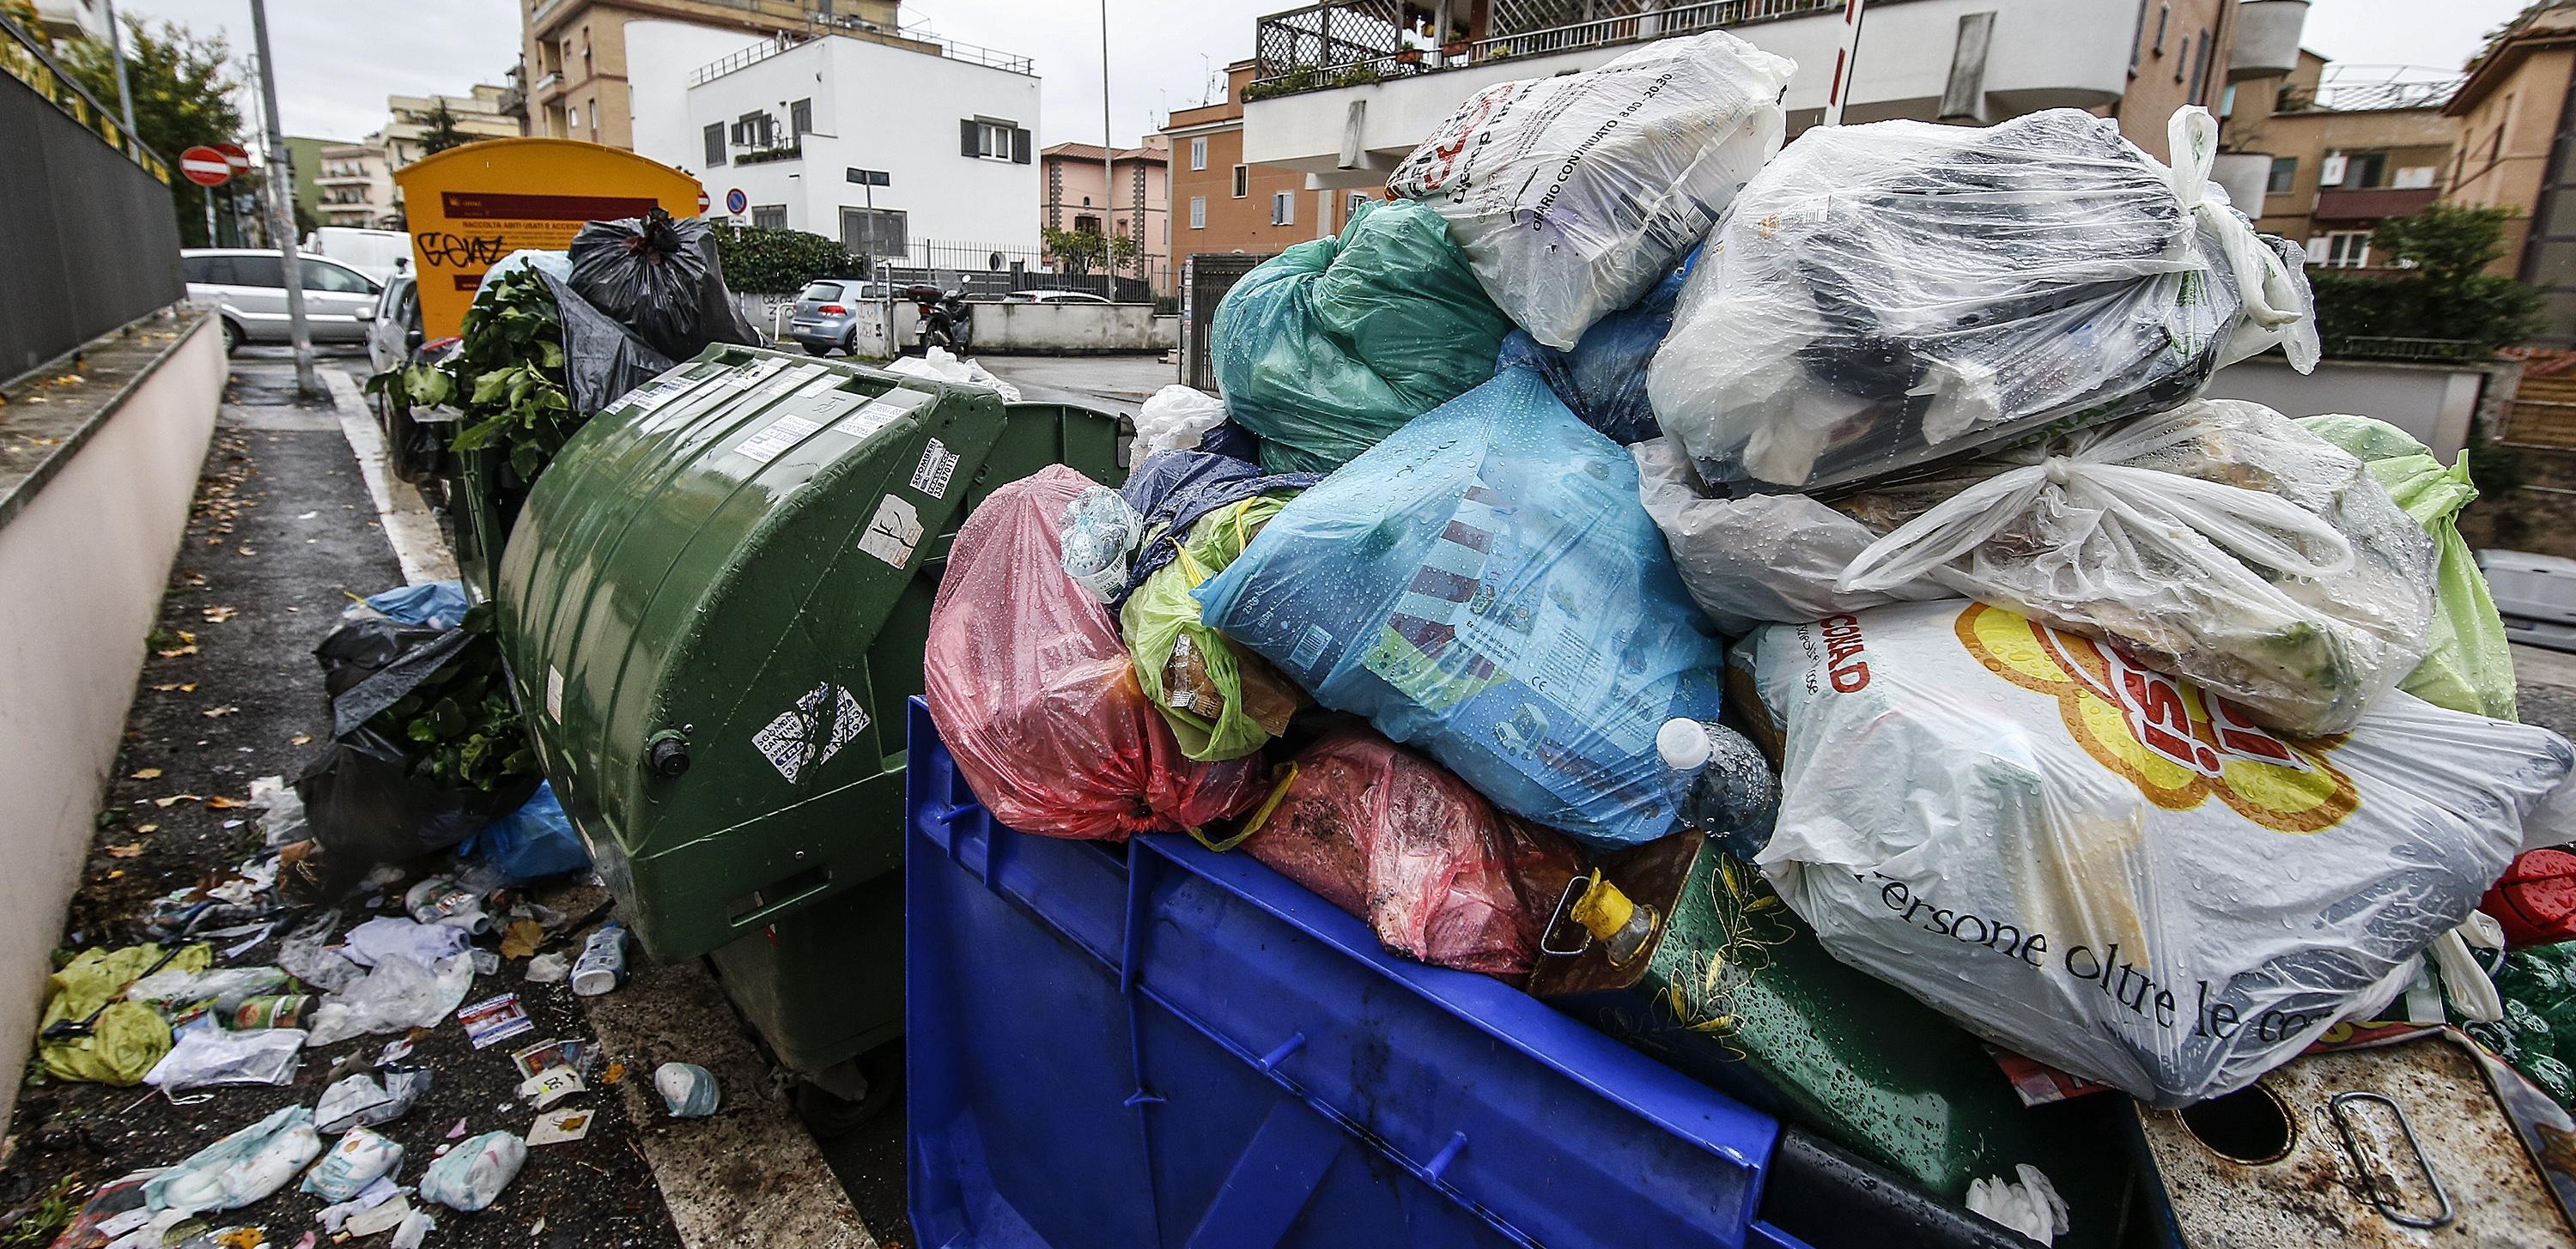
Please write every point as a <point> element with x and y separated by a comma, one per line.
<point>1684,744</point>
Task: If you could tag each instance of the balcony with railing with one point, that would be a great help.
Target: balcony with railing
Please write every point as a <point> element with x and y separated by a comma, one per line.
<point>1353,42</point>
<point>2362,97</point>
<point>913,40</point>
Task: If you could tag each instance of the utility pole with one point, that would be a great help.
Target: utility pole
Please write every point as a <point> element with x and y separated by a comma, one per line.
<point>1846,59</point>
<point>125,90</point>
<point>1108,163</point>
<point>281,212</point>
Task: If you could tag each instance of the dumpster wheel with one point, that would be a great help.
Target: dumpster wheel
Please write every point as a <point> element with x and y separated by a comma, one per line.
<point>828,1114</point>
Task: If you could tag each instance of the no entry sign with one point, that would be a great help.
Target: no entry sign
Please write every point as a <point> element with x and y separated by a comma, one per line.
<point>235,155</point>
<point>205,166</point>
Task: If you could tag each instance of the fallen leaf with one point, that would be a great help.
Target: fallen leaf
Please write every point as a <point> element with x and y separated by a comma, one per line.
<point>147,828</point>
<point>189,649</point>
<point>301,739</point>
<point>125,851</point>
<point>243,550</point>
<point>522,938</point>
<point>216,712</point>
<point>145,774</point>
<point>175,799</point>
<point>167,688</point>
<point>615,1073</point>
<point>190,687</point>
<point>218,615</point>
<point>184,635</point>
<point>118,872</point>
<point>225,804</point>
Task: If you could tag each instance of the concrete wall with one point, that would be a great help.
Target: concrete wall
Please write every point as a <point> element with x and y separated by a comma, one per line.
<point>82,568</point>
<point>2432,402</point>
<point>1012,329</point>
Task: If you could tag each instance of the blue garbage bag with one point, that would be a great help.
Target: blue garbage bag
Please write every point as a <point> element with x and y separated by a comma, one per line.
<point>436,604</point>
<point>1604,378</point>
<point>531,843</point>
<point>1485,585</point>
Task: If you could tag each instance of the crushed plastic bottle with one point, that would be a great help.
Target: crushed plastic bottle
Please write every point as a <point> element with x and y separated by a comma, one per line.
<point>602,965</point>
<point>1720,783</point>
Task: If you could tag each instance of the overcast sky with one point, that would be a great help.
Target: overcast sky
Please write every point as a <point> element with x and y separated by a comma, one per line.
<point>337,60</point>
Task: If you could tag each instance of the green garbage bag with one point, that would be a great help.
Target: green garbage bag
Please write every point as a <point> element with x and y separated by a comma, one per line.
<point>128,1037</point>
<point>2538,1032</point>
<point>1331,345</point>
<point>1222,703</point>
<point>2470,667</point>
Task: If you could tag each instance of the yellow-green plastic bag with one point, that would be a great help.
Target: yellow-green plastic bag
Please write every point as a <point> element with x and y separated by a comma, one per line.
<point>2470,667</point>
<point>129,1036</point>
<point>1223,716</point>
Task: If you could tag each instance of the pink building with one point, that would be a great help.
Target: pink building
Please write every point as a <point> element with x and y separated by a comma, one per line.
<point>1071,197</point>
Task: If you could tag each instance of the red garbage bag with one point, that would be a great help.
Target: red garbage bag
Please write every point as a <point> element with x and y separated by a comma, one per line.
<point>1439,874</point>
<point>1036,697</point>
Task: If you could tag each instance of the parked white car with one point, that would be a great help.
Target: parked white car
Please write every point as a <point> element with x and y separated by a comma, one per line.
<point>1052,297</point>
<point>249,286</point>
<point>2536,595</point>
<point>376,253</point>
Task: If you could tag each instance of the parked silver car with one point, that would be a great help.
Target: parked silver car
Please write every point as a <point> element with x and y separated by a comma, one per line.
<point>826,314</point>
<point>393,329</point>
<point>249,285</point>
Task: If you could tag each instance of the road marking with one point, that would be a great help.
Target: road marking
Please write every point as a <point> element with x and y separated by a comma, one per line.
<point>407,521</point>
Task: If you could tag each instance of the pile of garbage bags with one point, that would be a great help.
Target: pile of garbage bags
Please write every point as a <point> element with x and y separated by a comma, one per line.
<point>1852,507</point>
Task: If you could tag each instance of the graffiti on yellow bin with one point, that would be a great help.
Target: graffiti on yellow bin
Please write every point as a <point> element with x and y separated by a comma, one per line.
<point>2178,744</point>
<point>470,206</point>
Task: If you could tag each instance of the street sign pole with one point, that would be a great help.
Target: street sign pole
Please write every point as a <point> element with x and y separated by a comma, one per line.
<point>1846,64</point>
<point>1108,165</point>
<point>210,217</point>
<point>124,89</point>
<point>281,195</point>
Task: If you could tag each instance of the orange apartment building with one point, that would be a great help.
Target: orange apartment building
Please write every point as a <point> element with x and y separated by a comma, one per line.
<point>2513,154</point>
<point>574,51</point>
<point>1071,197</point>
<point>1220,204</point>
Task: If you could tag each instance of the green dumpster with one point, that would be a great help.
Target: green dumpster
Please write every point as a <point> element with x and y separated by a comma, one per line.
<point>713,604</point>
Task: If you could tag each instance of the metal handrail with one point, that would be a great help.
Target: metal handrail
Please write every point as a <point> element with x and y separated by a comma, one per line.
<point>1313,23</point>
<point>2381,347</point>
<point>83,108</point>
<point>949,49</point>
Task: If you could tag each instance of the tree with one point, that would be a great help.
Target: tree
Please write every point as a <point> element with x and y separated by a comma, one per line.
<point>183,96</point>
<point>1079,250</point>
<point>2443,291</point>
<point>439,131</point>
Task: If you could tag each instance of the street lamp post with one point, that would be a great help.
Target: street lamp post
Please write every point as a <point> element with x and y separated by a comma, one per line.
<point>281,214</point>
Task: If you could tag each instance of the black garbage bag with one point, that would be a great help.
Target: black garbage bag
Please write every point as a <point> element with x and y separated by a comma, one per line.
<point>426,747</point>
<point>660,276</point>
<point>602,358</point>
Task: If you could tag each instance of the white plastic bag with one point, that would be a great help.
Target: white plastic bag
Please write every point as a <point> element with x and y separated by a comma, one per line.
<point>208,1055</point>
<point>391,934</point>
<point>472,1175</point>
<point>360,1101</point>
<point>2106,869</point>
<point>1174,419</point>
<point>226,987</point>
<point>2220,541</point>
<point>1885,296</point>
<point>941,365</point>
<point>1101,531</point>
<point>347,1168</point>
<point>240,1168</point>
<point>2031,1207</point>
<point>398,994</point>
<point>1573,195</point>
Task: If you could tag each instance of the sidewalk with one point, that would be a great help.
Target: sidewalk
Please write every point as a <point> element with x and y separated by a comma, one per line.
<point>282,533</point>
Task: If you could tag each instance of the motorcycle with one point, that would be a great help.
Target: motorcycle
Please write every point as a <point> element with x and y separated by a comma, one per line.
<point>944,320</point>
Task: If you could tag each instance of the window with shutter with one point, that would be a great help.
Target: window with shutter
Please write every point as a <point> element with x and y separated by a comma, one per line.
<point>715,144</point>
<point>1242,181</point>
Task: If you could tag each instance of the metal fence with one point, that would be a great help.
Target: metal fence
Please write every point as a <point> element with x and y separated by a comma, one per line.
<point>1205,279</point>
<point>91,241</point>
<point>983,271</point>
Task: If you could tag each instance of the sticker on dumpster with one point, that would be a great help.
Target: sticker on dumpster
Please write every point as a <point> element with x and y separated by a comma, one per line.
<point>554,693</point>
<point>649,398</point>
<point>774,441</point>
<point>938,464</point>
<point>808,734</point>
<point>759,372</point>
<point>893,533</point>
<point>868,420</point>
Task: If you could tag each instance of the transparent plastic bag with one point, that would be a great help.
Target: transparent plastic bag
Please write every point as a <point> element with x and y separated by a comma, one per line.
<point>1222,702</point>
<point>942,365</point>
<point>1335,343</point>
<point>1396,840</point>
<point>2106,868</point>
<point>1603,379</point>
<point>1036,697</point>
<point>1485,588</point>
<point>207,1055</point>
<point>1100,533</point>
<point>1885,296</point>
<point>1573,195</point>
<point>1175,418</point>
<point>400,993</point>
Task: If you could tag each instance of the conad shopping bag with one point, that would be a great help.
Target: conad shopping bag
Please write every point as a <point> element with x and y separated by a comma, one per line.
<point>2103,867</point>
<point>1485,587</point>
<point>1035,696</point>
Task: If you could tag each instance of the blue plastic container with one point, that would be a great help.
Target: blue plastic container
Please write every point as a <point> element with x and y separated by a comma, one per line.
<point>1155,1045</point>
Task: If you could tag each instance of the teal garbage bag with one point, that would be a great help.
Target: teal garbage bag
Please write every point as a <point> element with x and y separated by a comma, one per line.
<point>1332,345</point>
<point>1485,585</point>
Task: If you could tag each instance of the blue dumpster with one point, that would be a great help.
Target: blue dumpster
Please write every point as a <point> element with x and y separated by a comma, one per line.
<point>1155,1045</point>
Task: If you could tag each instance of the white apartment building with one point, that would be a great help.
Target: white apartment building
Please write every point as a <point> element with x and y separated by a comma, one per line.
<point>1342,93</point>
<point>881,145</point>
<point>357,185</point>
